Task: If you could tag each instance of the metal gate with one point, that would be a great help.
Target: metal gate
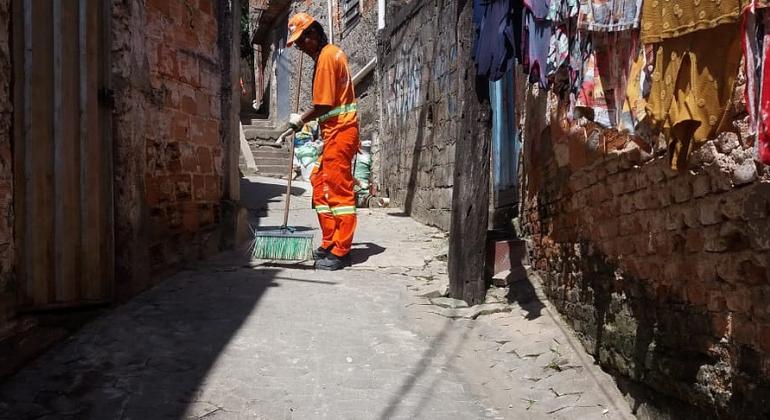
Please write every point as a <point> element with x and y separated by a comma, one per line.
<point>62,152</point>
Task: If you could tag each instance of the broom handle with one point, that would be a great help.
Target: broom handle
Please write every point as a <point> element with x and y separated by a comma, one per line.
<point>291,146</point>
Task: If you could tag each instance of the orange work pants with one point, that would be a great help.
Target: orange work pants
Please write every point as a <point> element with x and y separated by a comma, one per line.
<point>333,197</point>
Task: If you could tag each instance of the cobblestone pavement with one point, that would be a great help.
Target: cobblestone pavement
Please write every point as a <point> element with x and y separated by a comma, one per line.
<point>232,338</point>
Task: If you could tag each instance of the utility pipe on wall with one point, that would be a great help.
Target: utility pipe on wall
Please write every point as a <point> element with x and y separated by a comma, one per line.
<point>331,21</point>
<point>380,14</point>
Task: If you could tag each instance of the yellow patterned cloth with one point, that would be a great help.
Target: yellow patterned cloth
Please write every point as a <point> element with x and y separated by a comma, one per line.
<point>663,19</point>
<point>692,86</point>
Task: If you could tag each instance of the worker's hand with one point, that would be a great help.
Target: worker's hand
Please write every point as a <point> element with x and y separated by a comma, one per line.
<point>295,122</point>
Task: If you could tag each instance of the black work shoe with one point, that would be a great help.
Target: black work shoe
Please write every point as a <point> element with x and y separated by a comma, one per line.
<point>332,262</point>
<point>322,252</point>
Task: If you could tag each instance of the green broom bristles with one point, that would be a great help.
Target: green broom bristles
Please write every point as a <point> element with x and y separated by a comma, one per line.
<point>282,244</point>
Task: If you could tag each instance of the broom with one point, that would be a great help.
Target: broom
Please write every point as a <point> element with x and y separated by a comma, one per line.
<point>285,243</point>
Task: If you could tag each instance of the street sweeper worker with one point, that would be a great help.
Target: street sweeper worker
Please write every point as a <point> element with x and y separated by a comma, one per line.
<point>334,105</point>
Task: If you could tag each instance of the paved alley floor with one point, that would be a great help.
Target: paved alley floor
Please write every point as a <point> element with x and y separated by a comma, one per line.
<point>231,338</point>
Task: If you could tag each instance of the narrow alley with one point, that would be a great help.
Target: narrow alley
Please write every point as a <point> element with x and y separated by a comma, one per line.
<point>384,209</point>
<point>234,339</point>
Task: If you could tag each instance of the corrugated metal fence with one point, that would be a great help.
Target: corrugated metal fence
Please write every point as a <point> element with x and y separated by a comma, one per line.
<point>63,152</point>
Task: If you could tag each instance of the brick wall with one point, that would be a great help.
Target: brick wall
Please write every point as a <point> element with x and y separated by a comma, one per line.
<point>6,168</point>
<point>663,275</point>
<point>169,138</point>
<point>184,172</point>
<point>419,79</point>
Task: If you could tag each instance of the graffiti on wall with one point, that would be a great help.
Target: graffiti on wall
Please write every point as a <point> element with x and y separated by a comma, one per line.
<point>443,67</point>
<point>404,82</point>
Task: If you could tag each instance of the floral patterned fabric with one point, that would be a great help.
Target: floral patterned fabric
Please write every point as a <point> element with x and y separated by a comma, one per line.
<point>609,15</point>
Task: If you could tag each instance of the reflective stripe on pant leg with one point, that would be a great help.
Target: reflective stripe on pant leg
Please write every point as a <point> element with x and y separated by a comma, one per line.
<point>342,210</point>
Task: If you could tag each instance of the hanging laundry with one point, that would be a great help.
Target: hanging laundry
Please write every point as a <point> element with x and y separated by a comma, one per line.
<point>606,74</point>
<point>562,15</point>
<point>537,45</point>
<point>558,51</point>
<point>756,47</point>
<point>539,8</point>
<point>562,10</point>
<point>609,15</point>
<point>495,48</point>
<point>692,86</point>
<point>664,19</point>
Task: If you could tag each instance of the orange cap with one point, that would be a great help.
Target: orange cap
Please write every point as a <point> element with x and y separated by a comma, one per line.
<point>297,24</point>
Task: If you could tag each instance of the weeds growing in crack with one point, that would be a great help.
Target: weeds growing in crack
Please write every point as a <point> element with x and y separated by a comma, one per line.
<point>530,402</point>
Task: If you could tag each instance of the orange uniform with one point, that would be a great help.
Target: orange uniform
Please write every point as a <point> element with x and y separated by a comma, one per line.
<point>333,196</point>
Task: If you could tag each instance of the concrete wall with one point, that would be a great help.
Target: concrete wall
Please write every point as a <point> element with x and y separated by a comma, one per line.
<point>6,169</point>
<point>171,171</point>
<point>419,79</point>
<point>663,275</point>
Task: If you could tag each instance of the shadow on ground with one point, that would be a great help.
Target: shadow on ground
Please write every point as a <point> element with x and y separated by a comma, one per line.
<point>149,358</point>
<point>146,359</point>
<point>522,291</point>
<point>361,252</point>
<point>255,196</point>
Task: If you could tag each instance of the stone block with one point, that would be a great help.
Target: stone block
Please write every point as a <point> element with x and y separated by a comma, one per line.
<point>690,215</point>
<point>709,211</point>
<point>626,204</point>
<point>664,197</point>
<point>755,204</point>
<point>694,240</point>
<point>744,330</point>
<point>673,219</point>
<point>655,174</point>
<point>719,325</point>
<point>726,142</point>
<point>609,229</point>
<point>744,173</point>
<point>717,303</point>
<point>696,294</point>
<point>701,185</point>
<point>681,190</point>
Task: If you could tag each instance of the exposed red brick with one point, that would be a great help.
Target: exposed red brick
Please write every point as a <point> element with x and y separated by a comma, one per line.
<point>180,126</point>
<point>199,186</point>
<point>189,105</point>
<point>168,64</point>
<point>161,6</point>
<point>206,6</point>
<point>204,160</point>
<point>190,220</point>
<point>213,186</point>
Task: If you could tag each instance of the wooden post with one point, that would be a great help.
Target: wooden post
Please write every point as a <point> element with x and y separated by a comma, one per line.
<point>470,192</point>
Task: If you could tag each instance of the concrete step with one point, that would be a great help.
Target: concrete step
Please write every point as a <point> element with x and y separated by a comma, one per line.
<point>255,133</point>
<point>272,169</point>
<point>269,152</point>
<point>506,256</point>
<point>272,161</point>
<point>261,124</point>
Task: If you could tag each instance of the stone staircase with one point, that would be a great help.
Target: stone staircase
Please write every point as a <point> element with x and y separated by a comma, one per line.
<point>271,161</point>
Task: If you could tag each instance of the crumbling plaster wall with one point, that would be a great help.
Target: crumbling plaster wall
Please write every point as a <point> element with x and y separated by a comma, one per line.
<point>664,275</point>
